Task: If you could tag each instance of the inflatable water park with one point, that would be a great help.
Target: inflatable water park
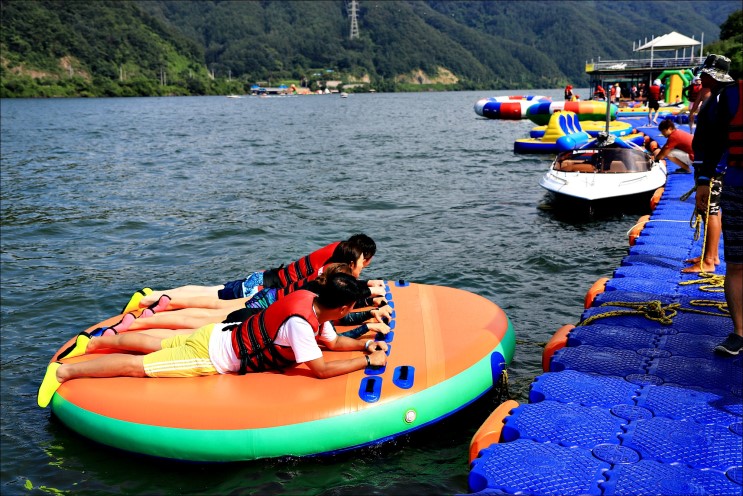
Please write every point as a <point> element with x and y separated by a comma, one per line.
<point>447,348</point>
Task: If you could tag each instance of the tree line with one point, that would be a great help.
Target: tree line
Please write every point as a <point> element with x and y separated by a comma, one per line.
<point>188,47</point>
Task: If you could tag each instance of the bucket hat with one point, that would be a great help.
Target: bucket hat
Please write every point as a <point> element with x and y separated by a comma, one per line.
<point>717,67</point>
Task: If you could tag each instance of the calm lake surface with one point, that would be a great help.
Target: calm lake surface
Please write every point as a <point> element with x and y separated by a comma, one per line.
<point>101,197</point>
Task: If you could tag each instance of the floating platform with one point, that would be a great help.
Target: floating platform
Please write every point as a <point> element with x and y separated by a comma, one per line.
<point>447,347</point>
<point>633,401</point>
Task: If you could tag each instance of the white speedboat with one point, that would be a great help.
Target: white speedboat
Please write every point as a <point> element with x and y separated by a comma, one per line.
<point>604,171</point>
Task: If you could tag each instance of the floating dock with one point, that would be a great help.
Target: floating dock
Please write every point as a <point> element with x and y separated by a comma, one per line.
<point>633,401</point>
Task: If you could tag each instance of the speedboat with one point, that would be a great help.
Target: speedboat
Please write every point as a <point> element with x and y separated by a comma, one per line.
<point>605,168</point>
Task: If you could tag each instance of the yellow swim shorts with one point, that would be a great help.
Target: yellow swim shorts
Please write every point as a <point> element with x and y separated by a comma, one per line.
<point>184,355</point>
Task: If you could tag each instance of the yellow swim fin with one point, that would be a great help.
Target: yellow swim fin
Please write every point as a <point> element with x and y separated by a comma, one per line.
<point>49,385</point>
<point>135,299</point>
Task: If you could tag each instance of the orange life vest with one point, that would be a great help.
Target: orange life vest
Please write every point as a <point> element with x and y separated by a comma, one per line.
<point>253,340</point>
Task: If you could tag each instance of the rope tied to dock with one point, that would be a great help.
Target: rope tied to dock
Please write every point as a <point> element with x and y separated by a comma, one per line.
<point>656,311</point>
<point>651,310</point>
<point>713,283</point>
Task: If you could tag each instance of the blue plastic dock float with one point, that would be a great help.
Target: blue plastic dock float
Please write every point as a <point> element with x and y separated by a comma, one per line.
<point>635,401</point>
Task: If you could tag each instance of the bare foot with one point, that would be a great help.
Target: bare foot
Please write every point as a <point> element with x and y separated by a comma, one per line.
<point>699,267</point>
<point>696,260</point>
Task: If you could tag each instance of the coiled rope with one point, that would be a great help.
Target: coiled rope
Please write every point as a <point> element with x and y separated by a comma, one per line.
<point>655,310</point>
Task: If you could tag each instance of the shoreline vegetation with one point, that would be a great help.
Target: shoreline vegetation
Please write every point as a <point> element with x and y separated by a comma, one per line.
<point>74,48</point>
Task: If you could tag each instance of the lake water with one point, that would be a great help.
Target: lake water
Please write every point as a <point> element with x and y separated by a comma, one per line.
<point>101,197</point>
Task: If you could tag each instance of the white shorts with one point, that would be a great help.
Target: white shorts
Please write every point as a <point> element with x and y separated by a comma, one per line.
<point>681,156</point>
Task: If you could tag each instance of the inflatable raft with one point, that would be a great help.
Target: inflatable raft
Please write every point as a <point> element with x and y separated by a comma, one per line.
<point>564,132</point>
<point>507,107</point>
<point>589,110</point>
<point>447,348</point>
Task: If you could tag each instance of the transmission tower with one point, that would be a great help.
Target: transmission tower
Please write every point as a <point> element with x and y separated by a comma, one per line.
<point>353,9</point>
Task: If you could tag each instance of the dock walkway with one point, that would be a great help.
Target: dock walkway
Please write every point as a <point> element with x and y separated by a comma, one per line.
<point>635,402</point>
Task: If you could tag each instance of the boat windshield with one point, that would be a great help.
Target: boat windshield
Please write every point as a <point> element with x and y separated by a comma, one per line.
<point>611,160</point>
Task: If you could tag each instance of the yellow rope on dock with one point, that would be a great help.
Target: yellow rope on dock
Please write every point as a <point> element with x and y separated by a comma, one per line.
<point>656,311</point>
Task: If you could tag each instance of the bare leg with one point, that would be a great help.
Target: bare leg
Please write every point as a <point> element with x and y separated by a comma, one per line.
<point>114,365</point>
<point>734,295</point>
<point>127,341</point>
<point>187,318</point>
<point>206,302</point>
<point>182,292</point>
<point>167,333</point>
<point>711,247</point>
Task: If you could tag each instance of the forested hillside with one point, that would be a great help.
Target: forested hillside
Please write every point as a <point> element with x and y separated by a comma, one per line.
<point>156,47</point>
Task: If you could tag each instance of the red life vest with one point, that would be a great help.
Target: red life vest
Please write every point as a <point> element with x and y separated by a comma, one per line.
<point>282,292</point>
<point>694,92</point>
<point>305,267</point>
<point>253,340</point>
<point>735,131</point>
<point>654,92</point>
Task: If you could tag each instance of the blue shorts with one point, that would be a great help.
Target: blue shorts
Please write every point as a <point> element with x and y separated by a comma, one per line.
<point>732,223</point>
<point>241,288</point>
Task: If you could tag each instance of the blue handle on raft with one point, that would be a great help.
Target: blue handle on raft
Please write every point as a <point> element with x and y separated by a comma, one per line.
<point>404,376</point>
<point>370,389</point>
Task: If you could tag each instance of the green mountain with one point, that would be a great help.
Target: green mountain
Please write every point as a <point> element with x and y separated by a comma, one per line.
<point>155,47</point>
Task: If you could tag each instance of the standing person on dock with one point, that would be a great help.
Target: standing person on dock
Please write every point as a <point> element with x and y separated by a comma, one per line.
<point>653,102</point>
<point>617,92</point>
<point>723,113</point>
<point>697,95</point>
<point>708,151</point>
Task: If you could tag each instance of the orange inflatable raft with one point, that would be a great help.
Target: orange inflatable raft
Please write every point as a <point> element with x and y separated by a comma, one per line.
<point>447,348</point>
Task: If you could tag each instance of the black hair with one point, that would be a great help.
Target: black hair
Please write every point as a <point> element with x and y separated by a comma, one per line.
<point>365,243</point>
<point>346,252</point>
<point>338,290</point>
<point>666,124</point>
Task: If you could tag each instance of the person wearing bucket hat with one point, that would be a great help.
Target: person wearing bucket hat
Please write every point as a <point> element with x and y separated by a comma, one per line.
<point>719,139</point>
<point>716,67</point>
<point>708,150</point>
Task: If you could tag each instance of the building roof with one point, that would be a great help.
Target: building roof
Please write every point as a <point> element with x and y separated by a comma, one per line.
<point>670,41</point>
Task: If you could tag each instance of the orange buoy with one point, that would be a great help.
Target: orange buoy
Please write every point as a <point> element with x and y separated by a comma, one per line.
<point>656,198</point>
<point>490,431</point>
<point>556,342</point>
<point>596,289</point>
<point>634,233</point>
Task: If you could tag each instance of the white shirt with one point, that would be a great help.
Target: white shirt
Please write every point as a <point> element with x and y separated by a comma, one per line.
<point>295,332</point>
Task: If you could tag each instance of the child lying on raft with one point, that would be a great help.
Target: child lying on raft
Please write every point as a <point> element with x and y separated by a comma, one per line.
<point>357,250</point>
<point>189,319</point>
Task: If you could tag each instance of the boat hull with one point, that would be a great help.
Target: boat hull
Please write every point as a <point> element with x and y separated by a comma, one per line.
<point>588,186</point>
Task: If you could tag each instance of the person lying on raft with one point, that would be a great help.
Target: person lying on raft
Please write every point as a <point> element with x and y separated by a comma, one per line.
<point>196,312</point>
<point>285,334</point>
<point>190,319</point>
<point>273,278</point>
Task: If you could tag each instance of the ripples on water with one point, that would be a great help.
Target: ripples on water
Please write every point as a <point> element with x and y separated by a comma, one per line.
<point>102,197</point>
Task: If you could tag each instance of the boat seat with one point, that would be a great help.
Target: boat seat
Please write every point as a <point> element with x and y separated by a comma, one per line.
<point>617,166</point>
<point>574,166</point>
